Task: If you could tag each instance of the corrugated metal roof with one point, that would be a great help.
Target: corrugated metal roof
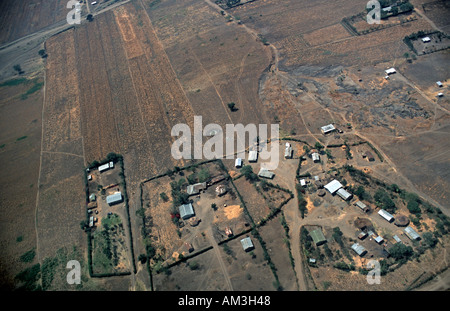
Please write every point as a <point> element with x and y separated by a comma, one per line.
<point>315,156</point>
<point>238,162</point>
<point>411,233</point>
<point>263,172</point>
<point>253,156</point>
<point>114,198</point>
<point>103,167</point>
<point>359,249</point>
<point>333,186</point>
<point>186,210</point>
<point>327,128</point>
<point>361,205</point>
<point>385,215</point>
<point>247,243</point>
<point>344,194</point>
<point>318,236</point>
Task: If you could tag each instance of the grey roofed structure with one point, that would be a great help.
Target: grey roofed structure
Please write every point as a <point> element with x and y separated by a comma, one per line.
<point>92,197</point>
<point>114,198</point>
<point>385,215</point>
<point>238,163</point>
<point>247,244</point>
<point>318,237</point>
<point>359,249</point>
<point>195,188</point>
<point>333,186</point>
<point>379,239</point>
<point>397,239</point>
<point>288,151</point>
<point>186,211</point>
<point>362,206</point>
<point>439,83</point>
<point>327,128</point>
<point>315,157</point>
<point>264,172</point>
<point>103,167</point>
<point>412,234</point>
<point>344,194</point>
<point>253,156</point>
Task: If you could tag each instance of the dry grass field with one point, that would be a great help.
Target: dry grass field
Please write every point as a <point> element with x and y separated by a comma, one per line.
<point>19,153</point>
<point>20,18</point>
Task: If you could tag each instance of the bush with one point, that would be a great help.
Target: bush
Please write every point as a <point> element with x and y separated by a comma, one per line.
<point>247,171</point>
<point>413,207</point>
<point>28,256</point>
<point>383,200</point>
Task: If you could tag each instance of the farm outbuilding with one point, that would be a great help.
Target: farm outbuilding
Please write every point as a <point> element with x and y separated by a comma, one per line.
<point>327,129</point>
<point>114,198</point>
<point>315,157</point>
<point>247,244</point>
<point>238,163</point>
<point>412,234</point>
<point>359,249</point>
<point>92,197</point>
<point>318,237</point>
<point>103,167</point>
<point>362,206</point>
<point>186,211</point>
<point>288,151</point>
<point>344,194</point>
<point>333,186</point>
<point>253,156</point>
<point>386,215</point>
<point>195,188</point>
<point>390,71</point>
<point>264,172</point>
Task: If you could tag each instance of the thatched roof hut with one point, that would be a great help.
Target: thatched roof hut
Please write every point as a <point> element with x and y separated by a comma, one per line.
<point>401,220</point>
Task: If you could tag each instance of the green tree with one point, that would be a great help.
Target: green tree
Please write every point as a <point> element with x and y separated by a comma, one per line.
<point>247,171</point>
<point>401,252</point>
<point>384,201</point>
<point>232,106</point>
<point>318,146</point>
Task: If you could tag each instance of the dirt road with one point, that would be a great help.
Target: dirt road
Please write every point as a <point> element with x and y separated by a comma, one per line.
<point>216,249</point>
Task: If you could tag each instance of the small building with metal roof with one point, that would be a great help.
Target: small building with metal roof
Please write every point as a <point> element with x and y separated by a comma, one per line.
<point>386,215</point>
<point>238,163</point>
<point>195,188</point>
<point>412,234</point>
<point>344,194</point>
<point>264,172</point>
<point>253,156</point>
<point>288,151</point>
<point>103,167</point>
<point>315,157</point>
<point>114,198</point>
<point>327,129</point>
<point>186,211</point>
<point>333,186</point>
<point>359,249</point>
<point>247,244</point>
<point>318,237</point>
